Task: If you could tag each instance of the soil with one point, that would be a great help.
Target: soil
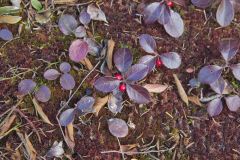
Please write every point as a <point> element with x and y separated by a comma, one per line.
<point>168,120</point>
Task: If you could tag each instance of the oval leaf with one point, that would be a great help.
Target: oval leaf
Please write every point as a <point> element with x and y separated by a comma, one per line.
<point>219,85</point>
<point>123,59</point>
<point>78,50</point>
<point>67,81</point>
<point>137,72</point>
<point>171,60</point>
<point>118,127</point>
<point>106,84</point>
<point>225,13</point>
<point>26,86</point>
<point>96,13</point>
<point>215,107</point>
<point>138,94</point>
<point>36,4</point>
<point>155,88</point>
<point>209,74</point>
<point>164,15</point>
<point>6,35</point>
<point>80,32</point>
<point>51,74</point>
<point>147,43</point>
<point>10,19</point>
<point>84,17</point>
<point>85,104</point>
<point>152,12</point>
<point>202,3</point>
<point>65,67</point>
<point>148,60</point>
<point>233,102</point>
<point>115,102</point>
<point>229,48</point>
<point>67,24</point>
<point>236,71</point>
<point>43,94</point>
<point>67,117</point>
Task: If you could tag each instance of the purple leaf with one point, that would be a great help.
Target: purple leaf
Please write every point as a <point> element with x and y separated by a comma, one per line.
<point>219,85</point>
<point>67,117</point>
<point>84,17</point>
<point>65,67</point>
<point>118,127</point>
<point>96,13</point>
<point>209,74</point>
<point>51,74</point>
<point>123,59</point>
<point>215,107</point>
<point>67,81</point>
<point>147,43</point>
<point>105,70</point>
<point>67,24</point>
<point>106,84</point>
<point>233,102</point>
<point>93,47</point>
<point>202,3</point>
<point>175,26</point>
<point>149,60</point>
<point>225,13</point>
<point>43,94</point>
<point>138,94</point>
<point>164,15</point>
<point>85,104</point>
<point>80,32</point>
<point>236,71</point>
<point>152,12</point>
<point>78,50</point>
<point>171,60</point>
<point>6,34</point>
<point>137,72</point>
<point>229,48</point>
<point>26,86</point>
<point>115,102</point>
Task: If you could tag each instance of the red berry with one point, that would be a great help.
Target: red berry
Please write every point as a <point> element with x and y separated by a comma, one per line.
<point>122,87</point>
<point>170,4</point>
<point>118,76</point>
<point>158,63</point>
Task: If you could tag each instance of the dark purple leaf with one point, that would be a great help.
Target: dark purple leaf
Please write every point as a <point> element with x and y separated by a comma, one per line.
<point>147,43</point>
<point>84,17</point>
<point>115,102</point>
<point>219,85</point>
<point>202,3</point>
<point>26,86</point>
<point>51,74</point>
<point>233,102</point>
<point>67,24</point>
<point>85,104</point>
<point>6,34</point>
<point>225,13</point>
<point>137,72</point>
<point>229,48</point>
<point>152,12</point>
<point>215,107</point>
<point>118,127</point>
<point>106,84</point>
<point>164,15</point>
<point>123,59</point>
<point>171,60</point>
<point>65,67</point>
<point>67,81</point>
<point>80,32</point>
<point>209,74</point>
<point>138,94</point>
<point>67,117</point>
<point>175,26</point>
<point>149,60</point>
<point>78,50</point>
<point>43,94</point>
<point>105,70</point>
<point>236,71</point>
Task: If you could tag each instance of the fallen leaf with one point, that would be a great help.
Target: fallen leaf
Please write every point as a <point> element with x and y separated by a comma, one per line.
<point>10,19</point>
<point>181,90</point>
<point>155,88</point>
<point>43,17</point>
<point>86,62</point>
<point>129,148</point>
<point>15,152</point>
<point>99,103</point>
<point>70,143</point>
<point>70,131</point>
<point>40,112</point>
<point>7,124</point>
<point>96,13</point>
<point>30,149</point>
<point>111,45</point>
<point>64,1</point>
<point>56,150</point>
<point>195,100</point>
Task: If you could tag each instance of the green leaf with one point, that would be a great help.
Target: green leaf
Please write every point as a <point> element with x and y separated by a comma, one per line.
<point>8,10</point>
<point>36,4</point>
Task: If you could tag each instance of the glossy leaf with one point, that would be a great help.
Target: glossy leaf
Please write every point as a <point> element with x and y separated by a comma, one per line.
<point>85,104</point>
<point>171,60</point>
<point>215,107</point>
<point>123,59</point>
<point>67,24</point>
<point>118,127</point>
<point>137,72</point>
<point>43,94</point>
<point>84,17</point>
<point>219,85</point>
<point>229,48</point>
<point>233,102</point>
<point>115,102</point>
<point>80,32</point>
<point>164,15</point>
<point>175,26</point>
<point>209,74</point>
<point>78,50</point>
<point>65,67</point>
<point>26,86</point>
<point>51,74</point>
<point>147,43</point>
<point>6,34</point>
<point>152,12</point>
<point>67,117</point>
<point>225,13</point>
<point>67,81</point>
<point>106,84</point>
<point>96,13</point>
<point>148,60</point>
<point>138,94</point>
<point>236,71</point>
<point>202,3</point>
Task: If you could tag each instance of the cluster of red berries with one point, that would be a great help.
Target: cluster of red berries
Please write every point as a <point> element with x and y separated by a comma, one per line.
<point>170,4</point>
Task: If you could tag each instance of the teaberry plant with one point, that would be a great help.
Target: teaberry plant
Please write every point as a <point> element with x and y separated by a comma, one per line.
<point>225,12</point>
<point>162,13</point>
<point>126,79</point>
<point>171,60</point>
<point>211,75</point>
<point>66,80</point>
